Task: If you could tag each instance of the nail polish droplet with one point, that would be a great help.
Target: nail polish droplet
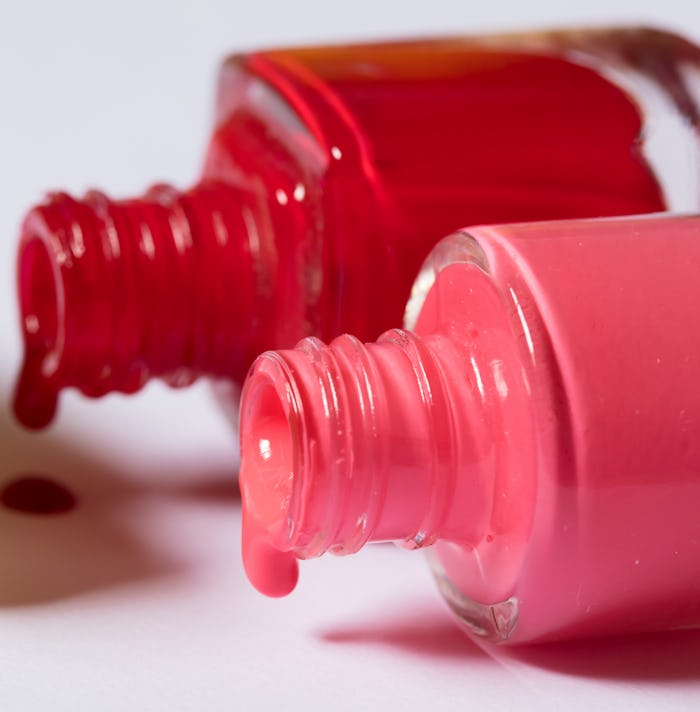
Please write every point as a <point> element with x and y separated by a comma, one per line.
<point>272,572</point>
<point>35,398</point>
<point>34,494</point>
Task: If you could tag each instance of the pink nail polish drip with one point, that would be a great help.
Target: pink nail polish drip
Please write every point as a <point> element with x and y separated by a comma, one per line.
<point>329,174</point>
<point>537,431</point>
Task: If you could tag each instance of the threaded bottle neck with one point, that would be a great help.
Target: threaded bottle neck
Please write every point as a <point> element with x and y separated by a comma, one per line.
<point>350,443</point>
<point>113,293</point>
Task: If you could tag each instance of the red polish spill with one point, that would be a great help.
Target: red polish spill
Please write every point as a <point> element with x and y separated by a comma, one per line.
<point>34,494</point>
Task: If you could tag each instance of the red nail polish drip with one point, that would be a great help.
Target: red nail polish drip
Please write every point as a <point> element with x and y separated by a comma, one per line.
<point>330,173</point>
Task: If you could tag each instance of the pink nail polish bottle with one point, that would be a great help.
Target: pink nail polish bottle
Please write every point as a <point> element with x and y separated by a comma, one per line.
<point>537,431</point>
<point>329,173</point>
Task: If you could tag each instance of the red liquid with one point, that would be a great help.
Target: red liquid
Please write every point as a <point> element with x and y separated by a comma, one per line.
<point>32,494</point>
<point>330,174</point>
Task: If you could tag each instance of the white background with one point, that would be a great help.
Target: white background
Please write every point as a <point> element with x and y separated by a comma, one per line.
<point>136,600</point>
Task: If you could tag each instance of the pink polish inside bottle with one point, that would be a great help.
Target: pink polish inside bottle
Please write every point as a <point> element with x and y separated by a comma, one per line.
<point>329,173</point>
<point>536,431</point>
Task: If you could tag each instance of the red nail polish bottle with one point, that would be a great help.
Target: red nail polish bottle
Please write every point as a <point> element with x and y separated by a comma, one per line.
<point>329,174</point>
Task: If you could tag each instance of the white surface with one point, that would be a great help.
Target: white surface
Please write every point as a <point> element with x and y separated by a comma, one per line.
<point>136,600</point>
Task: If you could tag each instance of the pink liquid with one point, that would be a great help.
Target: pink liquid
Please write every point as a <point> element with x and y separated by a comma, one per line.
<point>615,539</point>
<point>539,433</point>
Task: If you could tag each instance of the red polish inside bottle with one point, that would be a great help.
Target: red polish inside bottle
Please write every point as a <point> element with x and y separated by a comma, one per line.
<point>329,176</point>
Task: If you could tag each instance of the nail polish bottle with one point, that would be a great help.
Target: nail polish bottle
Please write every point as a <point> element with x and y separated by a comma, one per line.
<point>537,431</point>
<point>328,175</point>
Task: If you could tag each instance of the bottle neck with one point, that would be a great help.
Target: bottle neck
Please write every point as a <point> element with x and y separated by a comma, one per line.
<point>113,293</point>
<point>350,443</point>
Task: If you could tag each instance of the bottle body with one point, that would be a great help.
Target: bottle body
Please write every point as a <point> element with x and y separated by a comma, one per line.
<point>552,470</point>
<point>392,144</point>
<point>613,545</point>
<point>329,173</point>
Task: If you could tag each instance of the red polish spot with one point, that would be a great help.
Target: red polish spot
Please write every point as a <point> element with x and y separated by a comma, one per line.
<point>33,494</point>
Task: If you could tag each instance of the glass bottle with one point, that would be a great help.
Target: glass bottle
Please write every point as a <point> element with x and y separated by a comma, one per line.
<point>537,431</point>
<point>329,173</point>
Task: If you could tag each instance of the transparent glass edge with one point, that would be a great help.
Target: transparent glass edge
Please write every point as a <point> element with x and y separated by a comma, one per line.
<point>494,622</point>
<point>458,247</point>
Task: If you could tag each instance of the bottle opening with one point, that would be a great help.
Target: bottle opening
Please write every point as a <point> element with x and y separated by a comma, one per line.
<point>41,304</point>
<point>267,446</point>
<point>39,299</point>
<point>114,293</point>
<point>343,444</point>
<point>270,462</point>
